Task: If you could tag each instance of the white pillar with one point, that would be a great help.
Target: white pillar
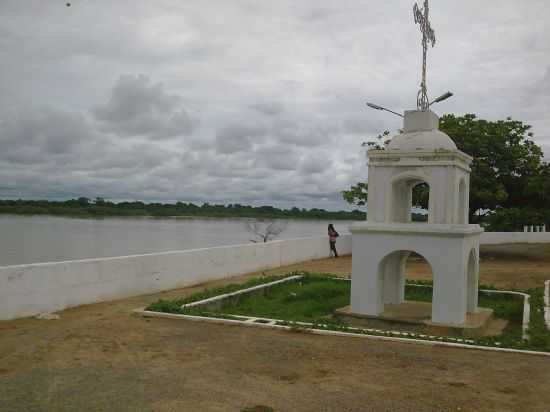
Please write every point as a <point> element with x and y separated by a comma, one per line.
<point>449,296</point>
<point>472,283</point>
<point>366,282</point>
<point>393,271</point>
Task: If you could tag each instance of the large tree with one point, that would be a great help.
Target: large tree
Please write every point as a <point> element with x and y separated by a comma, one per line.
<point>507,171</point>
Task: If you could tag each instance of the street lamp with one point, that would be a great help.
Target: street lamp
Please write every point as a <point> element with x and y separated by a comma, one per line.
<point>444,96</point>
<point>376,107</point>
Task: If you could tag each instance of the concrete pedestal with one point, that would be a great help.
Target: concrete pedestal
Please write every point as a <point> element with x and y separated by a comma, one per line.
<point>380,251</point>
<point>412,316</point>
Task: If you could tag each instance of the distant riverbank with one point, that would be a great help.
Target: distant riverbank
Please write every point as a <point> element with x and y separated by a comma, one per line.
<point>84,207</point>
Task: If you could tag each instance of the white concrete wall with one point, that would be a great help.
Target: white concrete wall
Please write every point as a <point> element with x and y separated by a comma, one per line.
<point>498,238</point>
<point>27,290</point>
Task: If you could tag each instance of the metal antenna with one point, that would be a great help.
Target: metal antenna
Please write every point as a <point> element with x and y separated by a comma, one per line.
<point>421,18</point>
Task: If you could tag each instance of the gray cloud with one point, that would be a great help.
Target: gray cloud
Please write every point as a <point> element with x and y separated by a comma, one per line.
<point>268,108</point>
<point>315,164</point>
<point>41,135</point>
<point>277,157</point>
<point>137,107</point>
<point>236,138</point>
<point>243,102</point>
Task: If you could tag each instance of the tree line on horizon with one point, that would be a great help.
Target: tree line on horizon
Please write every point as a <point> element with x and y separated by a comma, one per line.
<point>99,207</point>
<point>509,180</point>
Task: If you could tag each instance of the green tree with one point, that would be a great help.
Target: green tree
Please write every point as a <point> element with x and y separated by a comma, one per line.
<point>507,170</point>
<point>357,195</point>
<point>83,201</point>
<point>505,160</point>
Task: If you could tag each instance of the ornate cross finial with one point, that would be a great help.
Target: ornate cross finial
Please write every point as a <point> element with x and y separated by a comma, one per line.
<point>428,35</point>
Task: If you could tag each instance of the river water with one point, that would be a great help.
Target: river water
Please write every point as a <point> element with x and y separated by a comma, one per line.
<point>31,239</point>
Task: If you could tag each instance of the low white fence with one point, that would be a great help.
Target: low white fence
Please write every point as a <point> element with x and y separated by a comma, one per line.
<point>27,290</point>
<point>499,238</point>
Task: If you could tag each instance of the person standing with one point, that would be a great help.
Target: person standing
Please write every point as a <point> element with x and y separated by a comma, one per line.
<point>332,235</point>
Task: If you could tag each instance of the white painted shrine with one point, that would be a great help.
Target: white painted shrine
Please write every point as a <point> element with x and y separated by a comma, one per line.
<point>382,244</point>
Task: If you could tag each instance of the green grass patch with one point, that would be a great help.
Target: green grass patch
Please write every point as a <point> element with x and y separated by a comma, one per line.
<point>174,305</point>
<point>539,334</point>
<point>314,298</point>
<point>504,306</point>
<point>310,299</point>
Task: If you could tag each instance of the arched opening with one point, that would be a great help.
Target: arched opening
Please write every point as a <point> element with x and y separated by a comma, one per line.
<point>462,207</point>
<point>420,203</point>
<point>472,279</point>
<point>400,299</point>
<point>410,201</point>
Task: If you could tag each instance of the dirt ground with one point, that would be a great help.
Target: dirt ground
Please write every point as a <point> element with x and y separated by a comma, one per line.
<point>100,358</point>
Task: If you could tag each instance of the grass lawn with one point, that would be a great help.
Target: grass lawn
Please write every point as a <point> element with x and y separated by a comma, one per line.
<point>311,299</point>
<point>314,298</point>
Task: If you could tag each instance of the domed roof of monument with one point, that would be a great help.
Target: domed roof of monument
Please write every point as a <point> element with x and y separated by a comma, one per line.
<point>427,140</point>
<point>421,133</point>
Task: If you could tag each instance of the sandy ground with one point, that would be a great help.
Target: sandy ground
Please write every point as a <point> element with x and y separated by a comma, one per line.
<point>99,358</point>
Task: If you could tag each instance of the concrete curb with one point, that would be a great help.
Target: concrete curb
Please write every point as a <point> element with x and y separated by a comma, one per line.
<point>239,292</point>
<point>526,304</point>
<point>271,325</point>
<point>526,308</point>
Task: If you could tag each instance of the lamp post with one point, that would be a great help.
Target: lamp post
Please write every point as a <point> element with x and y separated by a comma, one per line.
<point>376,107</point>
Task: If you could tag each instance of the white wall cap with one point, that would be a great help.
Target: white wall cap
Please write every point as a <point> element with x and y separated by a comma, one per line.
<point>437,229</point>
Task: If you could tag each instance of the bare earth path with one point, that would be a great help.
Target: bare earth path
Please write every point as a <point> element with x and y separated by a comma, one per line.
<point>99,358</point>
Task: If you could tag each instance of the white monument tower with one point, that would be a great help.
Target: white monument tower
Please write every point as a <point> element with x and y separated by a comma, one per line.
<point>382,244</point>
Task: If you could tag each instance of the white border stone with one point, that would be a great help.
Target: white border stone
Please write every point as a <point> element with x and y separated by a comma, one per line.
<point>239,292</point>
<point>396,336</point>
<point>273,325</point>
<point>526,305</point>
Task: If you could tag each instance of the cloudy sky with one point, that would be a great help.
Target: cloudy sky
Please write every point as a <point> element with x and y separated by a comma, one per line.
<point>256,102</point>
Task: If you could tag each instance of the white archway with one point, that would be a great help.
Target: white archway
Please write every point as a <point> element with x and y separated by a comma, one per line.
<point>401,199</point>
<point>392,275</point>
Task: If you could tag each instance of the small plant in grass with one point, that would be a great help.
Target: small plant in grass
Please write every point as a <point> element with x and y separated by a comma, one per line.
<point>166,306</point>
<point>504,306</point>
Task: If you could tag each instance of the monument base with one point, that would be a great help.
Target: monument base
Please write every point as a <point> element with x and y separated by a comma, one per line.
<point>416,317</point>
<point>379,257</point>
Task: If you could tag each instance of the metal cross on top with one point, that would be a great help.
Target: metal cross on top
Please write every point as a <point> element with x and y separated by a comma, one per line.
<point>428,35</point>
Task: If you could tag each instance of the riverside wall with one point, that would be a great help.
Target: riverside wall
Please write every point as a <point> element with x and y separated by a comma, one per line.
<point>28,290</point>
